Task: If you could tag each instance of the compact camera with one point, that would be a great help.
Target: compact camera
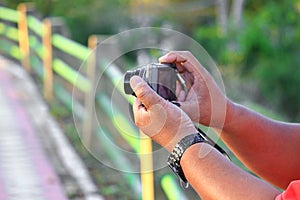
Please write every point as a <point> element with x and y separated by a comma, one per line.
<point>161,77</point>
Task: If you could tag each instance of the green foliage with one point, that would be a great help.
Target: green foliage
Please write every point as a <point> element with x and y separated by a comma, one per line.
<point>213,41</point>
<point>94,17</point>
<point>85,17</point>
<point>270,45</point>
<point>266,49</point>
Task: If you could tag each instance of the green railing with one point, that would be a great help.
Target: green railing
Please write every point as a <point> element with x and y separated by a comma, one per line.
<point>32,43</point>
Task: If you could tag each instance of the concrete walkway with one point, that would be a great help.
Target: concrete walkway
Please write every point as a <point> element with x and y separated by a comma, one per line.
<point>26,168</point>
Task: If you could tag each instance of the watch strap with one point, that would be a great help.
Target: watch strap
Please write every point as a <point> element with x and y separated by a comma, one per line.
<point>179,149</point>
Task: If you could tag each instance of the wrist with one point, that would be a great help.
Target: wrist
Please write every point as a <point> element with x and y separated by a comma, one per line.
<point>169,141</point>
<point>220,115</point>
<point>232,113</point>
<point>174,160</point>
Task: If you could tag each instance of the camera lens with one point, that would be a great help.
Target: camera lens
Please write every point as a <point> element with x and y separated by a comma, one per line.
<point>138,72</point>
<point>128,75</point>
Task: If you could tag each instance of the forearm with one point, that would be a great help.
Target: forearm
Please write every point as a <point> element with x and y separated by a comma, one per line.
<point>269,148</point>
<point>214,177</point>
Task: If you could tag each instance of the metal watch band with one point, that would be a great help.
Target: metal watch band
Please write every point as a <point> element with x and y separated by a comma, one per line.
<point>179,149</point>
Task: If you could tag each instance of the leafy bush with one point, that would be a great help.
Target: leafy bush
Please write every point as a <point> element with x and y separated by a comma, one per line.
<point>266,50</point>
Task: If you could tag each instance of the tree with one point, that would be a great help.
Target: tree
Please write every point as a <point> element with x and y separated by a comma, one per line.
<point>263,49</point>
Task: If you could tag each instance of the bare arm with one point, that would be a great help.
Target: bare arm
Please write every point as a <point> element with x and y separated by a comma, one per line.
<point>269,148</point>
<point>210,174</point>
<point>217,178</point>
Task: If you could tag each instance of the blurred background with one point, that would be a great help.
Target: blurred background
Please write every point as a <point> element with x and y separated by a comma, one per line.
<point>255,44</point>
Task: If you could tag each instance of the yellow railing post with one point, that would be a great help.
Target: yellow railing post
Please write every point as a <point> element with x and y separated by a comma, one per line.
<point>47,60</point>
<point>23,36</point>
<point>146,160</point>
<point>89,96</point>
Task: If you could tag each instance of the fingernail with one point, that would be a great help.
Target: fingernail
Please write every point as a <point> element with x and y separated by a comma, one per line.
<point>135,81</point>
<point>167,57</point>
<point>162,58</point>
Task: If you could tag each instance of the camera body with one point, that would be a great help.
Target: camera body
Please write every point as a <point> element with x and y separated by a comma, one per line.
<point>161,78</point>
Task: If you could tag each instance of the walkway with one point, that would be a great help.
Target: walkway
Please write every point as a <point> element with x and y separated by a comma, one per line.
<point>26,171</point>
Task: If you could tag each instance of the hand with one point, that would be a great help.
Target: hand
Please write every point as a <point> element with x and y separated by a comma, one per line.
<point>204,103</point>
<point>159,119</point>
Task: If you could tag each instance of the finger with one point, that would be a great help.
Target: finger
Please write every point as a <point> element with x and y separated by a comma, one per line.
<point>141,116</point>
<point>178,88</point>
<point>173,56</point>
<point>180,93</point>
<point>189,79</point>
<point>181,96</point>
<point>186,59</point>
<point>180,68</point>
<point>144,92</point>
<point>138,105</point>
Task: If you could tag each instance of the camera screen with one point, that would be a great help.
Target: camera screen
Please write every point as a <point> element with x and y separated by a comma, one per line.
<point>166,86</point>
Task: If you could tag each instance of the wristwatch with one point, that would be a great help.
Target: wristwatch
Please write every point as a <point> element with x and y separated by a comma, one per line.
<point>179,149</point>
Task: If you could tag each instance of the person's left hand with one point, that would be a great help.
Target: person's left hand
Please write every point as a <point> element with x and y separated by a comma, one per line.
<point>205,103</point>
<point>159,119</point>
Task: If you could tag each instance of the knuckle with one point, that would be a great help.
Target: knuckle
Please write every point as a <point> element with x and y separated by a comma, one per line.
<point>187,53</point>
<point>161,103</point>
<point>138,123</point>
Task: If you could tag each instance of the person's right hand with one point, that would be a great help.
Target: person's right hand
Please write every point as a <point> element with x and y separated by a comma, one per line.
<point>205,103</point>
<point>159,119</point>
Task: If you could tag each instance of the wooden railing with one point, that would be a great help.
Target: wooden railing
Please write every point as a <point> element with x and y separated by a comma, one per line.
<point>31,41</point>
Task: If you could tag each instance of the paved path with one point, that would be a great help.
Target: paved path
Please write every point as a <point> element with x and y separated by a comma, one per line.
<point>26,171</point>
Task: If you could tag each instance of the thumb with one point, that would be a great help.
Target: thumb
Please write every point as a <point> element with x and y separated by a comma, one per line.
<point>144,92</point>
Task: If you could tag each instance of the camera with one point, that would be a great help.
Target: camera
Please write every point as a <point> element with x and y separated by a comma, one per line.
<point>160,76</point>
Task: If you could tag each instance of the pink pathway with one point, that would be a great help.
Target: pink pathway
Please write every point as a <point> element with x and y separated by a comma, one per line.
<point>25,170</point>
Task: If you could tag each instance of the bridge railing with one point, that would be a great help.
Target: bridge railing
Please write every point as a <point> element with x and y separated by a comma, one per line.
<point>31,41</point>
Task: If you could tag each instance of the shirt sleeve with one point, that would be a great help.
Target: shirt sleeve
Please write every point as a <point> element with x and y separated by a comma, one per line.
<point>291,193</point>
